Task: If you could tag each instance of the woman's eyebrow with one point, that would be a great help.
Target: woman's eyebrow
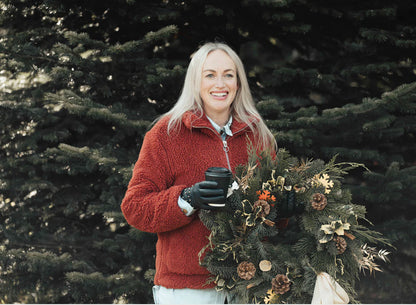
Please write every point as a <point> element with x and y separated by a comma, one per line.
<point>212,70</point>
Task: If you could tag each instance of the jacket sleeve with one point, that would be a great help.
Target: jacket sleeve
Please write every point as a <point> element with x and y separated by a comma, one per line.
<point>151,200</point>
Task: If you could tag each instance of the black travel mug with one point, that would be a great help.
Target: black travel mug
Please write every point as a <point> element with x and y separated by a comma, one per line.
<point>223,177</point>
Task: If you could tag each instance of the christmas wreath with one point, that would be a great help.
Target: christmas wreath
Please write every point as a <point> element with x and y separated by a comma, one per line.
<point>324,246</point>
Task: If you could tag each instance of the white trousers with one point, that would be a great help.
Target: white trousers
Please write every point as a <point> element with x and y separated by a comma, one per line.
<point>162,295</point>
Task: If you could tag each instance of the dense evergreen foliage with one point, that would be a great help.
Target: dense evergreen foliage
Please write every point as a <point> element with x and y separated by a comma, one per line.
<point>81,81</point>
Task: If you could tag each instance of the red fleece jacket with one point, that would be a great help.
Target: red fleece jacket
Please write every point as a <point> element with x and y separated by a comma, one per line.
<point>167,164</point>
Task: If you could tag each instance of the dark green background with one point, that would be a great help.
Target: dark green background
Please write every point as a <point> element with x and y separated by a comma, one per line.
<point>82,80</point>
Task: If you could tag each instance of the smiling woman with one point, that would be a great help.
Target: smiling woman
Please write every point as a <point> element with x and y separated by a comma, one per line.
<point>218,86</point>
<point>210,126</point>
<point>242,107</point>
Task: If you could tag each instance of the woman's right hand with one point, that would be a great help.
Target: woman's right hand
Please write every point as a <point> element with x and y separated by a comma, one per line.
<point>204,193</point>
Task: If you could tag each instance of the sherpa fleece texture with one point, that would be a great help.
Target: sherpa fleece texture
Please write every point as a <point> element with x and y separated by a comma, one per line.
<point>166,165</point>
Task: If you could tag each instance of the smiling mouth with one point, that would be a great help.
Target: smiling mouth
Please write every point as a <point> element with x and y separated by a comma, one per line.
<point>219,94</point>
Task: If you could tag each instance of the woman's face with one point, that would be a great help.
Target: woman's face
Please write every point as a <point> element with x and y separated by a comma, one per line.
<point>218,84</point>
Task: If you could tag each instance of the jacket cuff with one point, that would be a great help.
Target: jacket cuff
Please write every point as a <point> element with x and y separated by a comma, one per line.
<point>186,208</point>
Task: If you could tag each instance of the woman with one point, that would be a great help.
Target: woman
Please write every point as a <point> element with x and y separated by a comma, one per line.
<point>209,126</point>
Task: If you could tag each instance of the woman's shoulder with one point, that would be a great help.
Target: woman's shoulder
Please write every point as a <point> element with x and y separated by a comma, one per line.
<point>161,122</point>
<point>161,127</point>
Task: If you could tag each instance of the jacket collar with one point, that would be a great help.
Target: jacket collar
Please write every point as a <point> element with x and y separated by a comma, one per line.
<point>196,119</point>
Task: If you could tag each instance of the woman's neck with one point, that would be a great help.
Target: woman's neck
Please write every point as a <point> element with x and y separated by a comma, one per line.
<point>219,119</point>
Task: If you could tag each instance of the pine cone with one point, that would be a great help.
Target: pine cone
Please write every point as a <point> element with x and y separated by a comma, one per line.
<point>319,201</point>
<point>280,284</point>
<point>265,207</point>
<point>246,270</point>
<point>341,244</point>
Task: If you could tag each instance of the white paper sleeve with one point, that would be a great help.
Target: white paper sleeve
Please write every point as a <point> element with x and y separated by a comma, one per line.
<point>328,291</point>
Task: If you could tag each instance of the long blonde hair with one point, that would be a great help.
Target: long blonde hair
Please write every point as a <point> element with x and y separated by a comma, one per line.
<point>243,107</point>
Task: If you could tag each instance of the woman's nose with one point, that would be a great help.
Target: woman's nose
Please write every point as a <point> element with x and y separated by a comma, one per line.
<point>219,82</point>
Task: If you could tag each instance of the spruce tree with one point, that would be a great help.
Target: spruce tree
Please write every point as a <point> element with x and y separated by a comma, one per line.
<point>82,81</point>
<point>78,90</point>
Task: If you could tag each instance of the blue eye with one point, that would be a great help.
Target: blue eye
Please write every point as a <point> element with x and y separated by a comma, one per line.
<point>209,75</point>
<point>229,75</point>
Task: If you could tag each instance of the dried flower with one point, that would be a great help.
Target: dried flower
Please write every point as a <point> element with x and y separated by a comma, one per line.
<point>369,255</point>
<point>244,181</point>
<point>265,207</point>
<point>265,195</point>
<point>335,227</point>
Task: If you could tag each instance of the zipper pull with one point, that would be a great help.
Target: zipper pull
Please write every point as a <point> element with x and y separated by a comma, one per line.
<point>225,147</point>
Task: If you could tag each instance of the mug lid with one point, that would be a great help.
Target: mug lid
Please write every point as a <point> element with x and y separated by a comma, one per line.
<point>218,170</point>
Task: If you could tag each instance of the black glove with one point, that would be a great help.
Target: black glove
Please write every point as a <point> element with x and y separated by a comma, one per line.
<point>202,193</point>
<point>290,206</point>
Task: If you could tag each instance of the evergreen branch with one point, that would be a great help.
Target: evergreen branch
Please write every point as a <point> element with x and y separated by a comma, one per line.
<point>371,236</point>
<point>340,169</point>
<point>57,246</point>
